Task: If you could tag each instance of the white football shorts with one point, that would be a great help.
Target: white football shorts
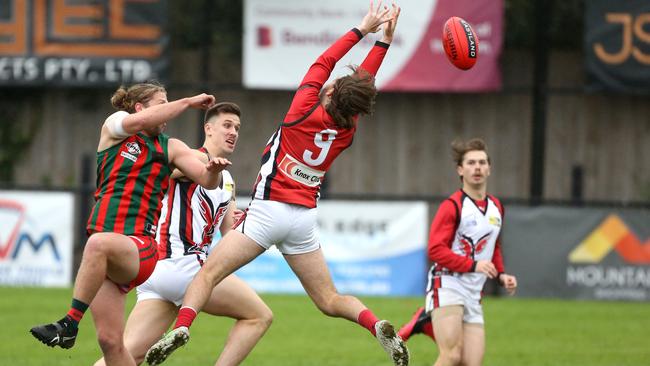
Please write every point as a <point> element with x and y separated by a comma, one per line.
<point>291,228</point>
<point>170,279</point>
<point>439,297</point>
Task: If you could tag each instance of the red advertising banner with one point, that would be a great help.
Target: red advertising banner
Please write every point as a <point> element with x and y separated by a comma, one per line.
<point>428,68</point>
<point>283,37</point>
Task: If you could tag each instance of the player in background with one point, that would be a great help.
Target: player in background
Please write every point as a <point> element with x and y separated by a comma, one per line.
<point>319,125</point>
<point>190,215</point>
<point>464,248</point>
<point>134,161</point>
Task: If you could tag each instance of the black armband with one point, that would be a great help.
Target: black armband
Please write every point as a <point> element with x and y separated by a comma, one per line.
<point>382,44</point>
<point>473,269</point>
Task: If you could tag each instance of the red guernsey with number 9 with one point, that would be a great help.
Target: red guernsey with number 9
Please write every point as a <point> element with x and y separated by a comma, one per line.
<point>309,139</point>
<point>460,43</point>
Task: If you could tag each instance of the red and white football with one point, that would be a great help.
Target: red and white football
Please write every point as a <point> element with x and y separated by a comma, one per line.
<point>460,43</point>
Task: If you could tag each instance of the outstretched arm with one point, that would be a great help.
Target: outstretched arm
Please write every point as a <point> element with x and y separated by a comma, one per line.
<point>208,175</point>
<point>376,55</point>
<point>321,69</point>
<point>120,125</point>
<point>177,174</point>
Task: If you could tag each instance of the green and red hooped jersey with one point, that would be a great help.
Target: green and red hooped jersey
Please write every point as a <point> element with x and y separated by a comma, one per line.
<point>132,178</point>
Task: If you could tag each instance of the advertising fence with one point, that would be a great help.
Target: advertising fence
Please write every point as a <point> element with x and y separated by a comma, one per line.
<point>36,238</point>
<point>579,253</point>
<point>378,248</point>
<point>372,248</point>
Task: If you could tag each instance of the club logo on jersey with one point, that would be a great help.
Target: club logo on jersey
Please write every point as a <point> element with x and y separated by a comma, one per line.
<point>133,148</point>
<point>299,172</point>
<point>132,151</point>
<point>209,216</point>
<point>470,248</point>
<point>495,220</point>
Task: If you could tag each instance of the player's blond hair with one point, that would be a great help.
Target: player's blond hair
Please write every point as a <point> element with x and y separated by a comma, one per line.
<point>125,99</point>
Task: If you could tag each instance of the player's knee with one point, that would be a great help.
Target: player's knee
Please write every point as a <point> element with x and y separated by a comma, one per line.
<point>96,245</point>
<point>139,357</point>
<point>210,274</point>
<point>138,351</point>
<point>452,356</point>
<point>328,305</point>
<point>110,341</point>
<point>265,318</point>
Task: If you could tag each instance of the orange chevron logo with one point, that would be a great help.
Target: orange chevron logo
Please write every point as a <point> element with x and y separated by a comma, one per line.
<point>611,234</point>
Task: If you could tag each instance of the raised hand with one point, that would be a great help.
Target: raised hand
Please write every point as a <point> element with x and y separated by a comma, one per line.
<point>389,27</point>
<point>217,164</point>
<point>201,101</point>
<point>374,18</point>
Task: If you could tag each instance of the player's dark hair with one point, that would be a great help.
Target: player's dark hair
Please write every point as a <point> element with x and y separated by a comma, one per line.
<point>223,107</point>
<point>459,148</point>
<point>125,99</point>
<point>353,94</point>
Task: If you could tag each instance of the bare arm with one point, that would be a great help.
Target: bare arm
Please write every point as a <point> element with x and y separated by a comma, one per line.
<point>162,113</point>
<point>207,175</point>
<point>229,219</point>
<point>177,174</point>
<point>150,117</point>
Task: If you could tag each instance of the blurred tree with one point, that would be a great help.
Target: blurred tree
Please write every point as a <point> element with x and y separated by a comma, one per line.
<point>214,28</point>
<point>565,24</point>
<point>18,125</point>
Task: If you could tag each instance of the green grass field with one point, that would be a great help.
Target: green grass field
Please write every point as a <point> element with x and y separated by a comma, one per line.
<point>519,332</point>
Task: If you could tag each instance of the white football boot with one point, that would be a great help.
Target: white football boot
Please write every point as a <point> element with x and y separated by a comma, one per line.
<point>392,343</point>
<point>171,341</point>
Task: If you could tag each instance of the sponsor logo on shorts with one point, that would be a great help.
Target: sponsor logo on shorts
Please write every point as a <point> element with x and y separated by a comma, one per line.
<point>299,172</point>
